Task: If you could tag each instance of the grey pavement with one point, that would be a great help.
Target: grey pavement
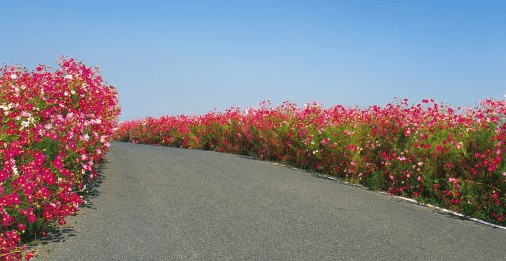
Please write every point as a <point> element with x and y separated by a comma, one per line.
<point>159,203</point>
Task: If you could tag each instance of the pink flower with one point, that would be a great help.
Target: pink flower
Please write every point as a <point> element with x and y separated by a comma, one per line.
<point>39,157</point>
<point>32,218</point>
<point>66,172</point>
<point>43,192</point>
<point>48,176</point>
<point>5,219</point>
<point>21,226</point>
<point>57,163</point>
<point>3,175</point>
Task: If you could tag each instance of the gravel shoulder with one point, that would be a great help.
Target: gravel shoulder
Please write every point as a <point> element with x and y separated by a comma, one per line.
<point>159,203</point>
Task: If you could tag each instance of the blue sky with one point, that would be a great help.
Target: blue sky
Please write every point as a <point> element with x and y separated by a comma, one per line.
<point>190,57</point>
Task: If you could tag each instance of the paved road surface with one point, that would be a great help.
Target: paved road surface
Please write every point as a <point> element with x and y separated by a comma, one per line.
<point>158,203</point>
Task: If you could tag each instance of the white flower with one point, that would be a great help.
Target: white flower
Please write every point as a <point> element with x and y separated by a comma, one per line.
<point>85,137</point>
<point>14,76</point>
<point>14,168</point>
<point>68,76</point>
<point>6,107</point>
<point>24,124</point>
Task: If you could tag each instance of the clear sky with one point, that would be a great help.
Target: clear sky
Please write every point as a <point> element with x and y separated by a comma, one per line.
<point>185,57</point>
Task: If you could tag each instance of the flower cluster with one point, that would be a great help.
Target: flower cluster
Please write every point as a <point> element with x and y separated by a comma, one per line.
<point>56,128</point>
<point>428,151</point>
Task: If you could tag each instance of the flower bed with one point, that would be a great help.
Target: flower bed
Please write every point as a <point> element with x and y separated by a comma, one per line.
<point>431,152</point>
<point>56,128</point>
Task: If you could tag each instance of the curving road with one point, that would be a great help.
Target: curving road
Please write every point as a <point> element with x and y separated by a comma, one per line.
<point>159,203</point>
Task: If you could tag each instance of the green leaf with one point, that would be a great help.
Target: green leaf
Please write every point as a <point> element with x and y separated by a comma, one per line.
<point>48,147</point>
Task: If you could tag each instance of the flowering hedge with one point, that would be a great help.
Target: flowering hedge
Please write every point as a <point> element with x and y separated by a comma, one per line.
<point>431,152</point>
<point>56,127</point>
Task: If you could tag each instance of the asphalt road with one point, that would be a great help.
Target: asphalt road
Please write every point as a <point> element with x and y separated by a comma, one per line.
<point>159,203</point>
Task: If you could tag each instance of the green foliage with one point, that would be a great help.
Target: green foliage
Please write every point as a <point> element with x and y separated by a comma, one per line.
<point>48,147</point>
<point>426,151</point>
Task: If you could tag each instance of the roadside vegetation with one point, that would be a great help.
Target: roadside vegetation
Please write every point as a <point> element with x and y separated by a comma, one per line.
<point>56,128</point>
<point>431,152</point>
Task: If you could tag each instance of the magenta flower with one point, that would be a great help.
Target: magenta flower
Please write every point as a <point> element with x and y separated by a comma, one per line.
<point>5,219</point>
<point>3,175</point>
